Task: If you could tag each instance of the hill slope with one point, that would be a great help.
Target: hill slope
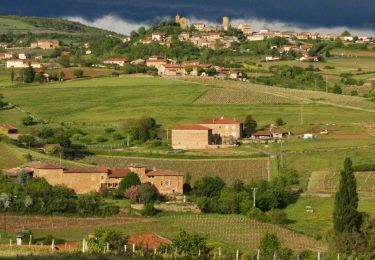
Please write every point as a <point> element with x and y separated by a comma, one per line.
<point>33,24</point>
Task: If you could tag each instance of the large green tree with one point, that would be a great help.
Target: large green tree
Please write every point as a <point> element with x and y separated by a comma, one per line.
<point>346,218</point>
<point>128,181</point>
<point>250,126</point>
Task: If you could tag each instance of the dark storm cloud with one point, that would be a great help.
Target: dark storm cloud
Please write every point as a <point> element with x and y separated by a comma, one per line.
<point>309,13</point>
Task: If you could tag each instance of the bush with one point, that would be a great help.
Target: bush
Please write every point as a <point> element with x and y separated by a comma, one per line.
<point>101,139</point>
<point>147,193</point>
<point>132,194</point>
<point>258,214</point>
<point>109,130</point>
<point>117,136</point>
<point>130,180</point>
<point>28,121</point>
<point>78,73</point>
<point>149,209</point>
<point>277,216</point>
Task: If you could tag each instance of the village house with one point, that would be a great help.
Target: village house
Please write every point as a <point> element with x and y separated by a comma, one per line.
<point>5,56</point>
<point>87,179</point>
<point>6,129</point>
<point>22,56</point>
<point>46,44</point>
<point>270,135</point>
<point>199,26</point>
<point>22,64</point>
<point>116,61</point>
<point>191,137</point>
<point>3,45</point>
<point>310,58</point>
<point>303,35</point>
<point>209,133</point>
<point>126,39</point>
<point>171,70</point>
<point>158,37</point>
<point>346,38</point>
<point>245,29</point>
<point>156,61</point>
<point>184,36</point>
<point>256,37</point>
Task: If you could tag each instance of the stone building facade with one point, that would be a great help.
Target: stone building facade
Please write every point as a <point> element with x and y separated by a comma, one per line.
<point>209,133</point>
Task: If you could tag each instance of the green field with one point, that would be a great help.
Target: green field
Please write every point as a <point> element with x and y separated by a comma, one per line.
<point>318,223</point>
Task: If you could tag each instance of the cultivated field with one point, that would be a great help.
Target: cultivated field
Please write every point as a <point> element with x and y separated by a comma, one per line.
<point>328,182</point>
<point>227,169</point>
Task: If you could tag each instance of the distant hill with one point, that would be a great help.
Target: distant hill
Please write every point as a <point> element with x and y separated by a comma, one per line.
<point>37,25</point>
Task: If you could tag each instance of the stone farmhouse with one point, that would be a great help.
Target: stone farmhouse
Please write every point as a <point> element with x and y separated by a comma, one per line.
<point>46,44</point>
<point>87,179</point>
<point>5,55</point>
<point>207,134</point>
<point>116,61</point>
<point>22,64</point>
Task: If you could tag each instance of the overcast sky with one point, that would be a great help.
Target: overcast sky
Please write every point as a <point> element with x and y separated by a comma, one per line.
<point>125,15</point>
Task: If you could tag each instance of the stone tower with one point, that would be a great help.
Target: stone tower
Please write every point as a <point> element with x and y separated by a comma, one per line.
<point>182,21</point>
<point>226,23</point>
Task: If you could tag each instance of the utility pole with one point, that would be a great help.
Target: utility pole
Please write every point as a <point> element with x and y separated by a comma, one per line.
<point>167,133</point>
<point>254,199</point>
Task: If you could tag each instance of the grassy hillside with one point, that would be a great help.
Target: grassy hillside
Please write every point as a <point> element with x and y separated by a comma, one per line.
<point>37,25</point>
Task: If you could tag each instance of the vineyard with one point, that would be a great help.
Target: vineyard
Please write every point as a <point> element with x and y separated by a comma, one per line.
<point>327,182</point>
<point>243,231</point>
<point>17,223</point>
<point>227,169</point>
<point>232,90</point>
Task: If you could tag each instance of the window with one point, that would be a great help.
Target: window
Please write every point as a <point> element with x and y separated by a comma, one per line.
<point>161,183</point>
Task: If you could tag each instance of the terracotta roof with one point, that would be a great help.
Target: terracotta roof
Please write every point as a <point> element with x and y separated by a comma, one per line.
<point>8,127</point>
<point>118,173</point>
<point>219,121</point>
<point>191,127</point>
<point>41,165</point>
<point>85,170</point>
<point>149,241</point>
<point>163,172</point>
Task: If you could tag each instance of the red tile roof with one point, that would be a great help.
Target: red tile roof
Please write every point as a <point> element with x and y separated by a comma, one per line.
<point>149,241</point>
<point>219,121</point>
<point>191,127</point>
<point>85,170</point>
<point>118,173</point>
<point>8,127</point>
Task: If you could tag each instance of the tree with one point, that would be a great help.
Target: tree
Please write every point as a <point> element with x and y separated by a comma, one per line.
<point>280,122</point>
<point>103,235</point>
<point>131,179</point>
<point>346,218</point>
<point>78,73</point>
<point>190,244</point>
<point>28,120</point>
<point>337,89</point>
<point>269,245</point>
<point>250,126</point>
<point>149,209</point>
<point>147,193</point>
<point>345,33</point>
<point>209,186</point>
<point>28,74</point>
<point>64,61</point>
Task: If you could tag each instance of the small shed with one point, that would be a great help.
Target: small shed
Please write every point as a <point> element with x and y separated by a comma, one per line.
<point>6,129</point>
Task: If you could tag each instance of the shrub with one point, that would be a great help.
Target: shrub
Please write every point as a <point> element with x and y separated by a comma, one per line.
<point>258,214</point>
<point>147,193</point>
<point>130,180</point>
<point>117,136</point>
<point>149,209</point>
<point>78,73</point>
<point>132,193</point>
<point>277,216</point>
<point>101,139</point>
<point>109,130</point>
<point>28,120</point>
